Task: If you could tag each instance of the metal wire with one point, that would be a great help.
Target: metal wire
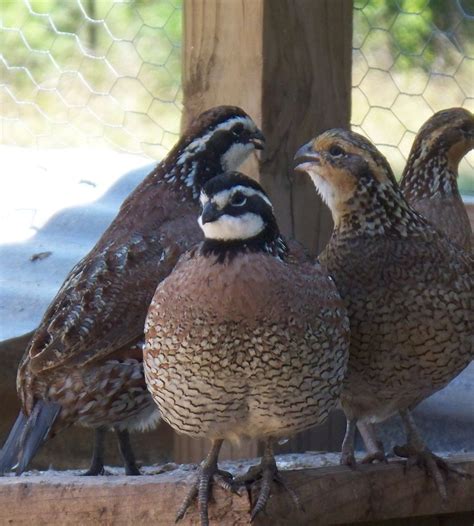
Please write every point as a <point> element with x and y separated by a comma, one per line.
<point>411,58</point>
<point>107,72</point>
<point>91,72</point>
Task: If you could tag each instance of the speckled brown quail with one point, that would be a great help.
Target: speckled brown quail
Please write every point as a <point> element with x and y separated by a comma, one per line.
<point>409,291</point>
<point>84,364</point>
<point>429,184</point>
<point>429,181</point>
<point>241,339</point>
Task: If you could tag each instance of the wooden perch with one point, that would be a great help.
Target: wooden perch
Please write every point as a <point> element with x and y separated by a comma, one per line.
<point>329,495</point>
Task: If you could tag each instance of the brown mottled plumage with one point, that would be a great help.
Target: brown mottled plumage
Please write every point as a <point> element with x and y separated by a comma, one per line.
<point>241,342</point>
<point>84,363</point>
<point>429,181</point>
<point>409,291</point>
<point>429,184</point>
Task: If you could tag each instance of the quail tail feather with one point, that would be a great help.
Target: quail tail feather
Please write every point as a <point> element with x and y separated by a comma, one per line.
<point>27,436</point>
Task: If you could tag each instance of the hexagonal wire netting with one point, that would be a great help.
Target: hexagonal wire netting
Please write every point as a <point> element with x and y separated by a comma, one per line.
<point>411,58</point>
<point>107,72</point>
<point>91,72</point>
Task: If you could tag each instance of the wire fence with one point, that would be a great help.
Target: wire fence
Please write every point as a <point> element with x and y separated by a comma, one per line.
<point>411,58</point>
<point>107,72</point>
<point>91,72</point>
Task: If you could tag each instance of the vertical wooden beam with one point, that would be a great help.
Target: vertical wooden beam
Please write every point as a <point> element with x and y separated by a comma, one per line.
<point>222,59</point>
<point>306,88</point>
<point>288,64</point>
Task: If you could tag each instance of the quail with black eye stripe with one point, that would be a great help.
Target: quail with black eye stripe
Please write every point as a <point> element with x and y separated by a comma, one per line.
<point>409,293</point>
<point>84,364</point>
<point>242,341</point>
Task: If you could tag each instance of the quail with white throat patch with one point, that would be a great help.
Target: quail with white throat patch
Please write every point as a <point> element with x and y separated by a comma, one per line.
<point>84,364</point>
<point>241,340</point>
<point>430,179</point>
<point>409,291</point>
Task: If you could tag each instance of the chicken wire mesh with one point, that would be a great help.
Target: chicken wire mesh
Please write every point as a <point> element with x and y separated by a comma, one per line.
<point>91,72</point>
<point>411,58</point>
<point>107,72</point>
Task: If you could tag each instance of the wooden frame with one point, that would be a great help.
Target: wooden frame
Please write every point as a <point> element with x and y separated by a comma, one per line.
<point>329,495</point>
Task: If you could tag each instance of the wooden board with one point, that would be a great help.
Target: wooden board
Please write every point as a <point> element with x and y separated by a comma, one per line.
<point>330,495</point>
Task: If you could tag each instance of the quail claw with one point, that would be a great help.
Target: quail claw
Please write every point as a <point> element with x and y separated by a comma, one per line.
<point>433,465</point>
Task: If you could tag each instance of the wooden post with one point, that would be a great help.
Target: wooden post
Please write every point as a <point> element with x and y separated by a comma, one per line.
<point>288,64</point>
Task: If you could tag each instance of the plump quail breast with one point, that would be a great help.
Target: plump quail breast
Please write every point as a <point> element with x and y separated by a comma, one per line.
<point>251,360</point>
<point>411,320</point>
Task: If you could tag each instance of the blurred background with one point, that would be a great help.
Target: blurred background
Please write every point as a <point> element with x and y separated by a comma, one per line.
<point>105,74</point>
<point>90,97</point>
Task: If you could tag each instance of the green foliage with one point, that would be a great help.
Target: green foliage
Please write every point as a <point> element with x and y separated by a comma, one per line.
<point>413,26</point>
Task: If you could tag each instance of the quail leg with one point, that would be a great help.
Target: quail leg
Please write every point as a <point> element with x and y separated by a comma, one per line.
<point>127,452</point>
<point>208,474</point>
<point>97,462</point>
<point>266,472</point>
<point>418,454</point>
<point>375,449</point>
<point>347,450</point>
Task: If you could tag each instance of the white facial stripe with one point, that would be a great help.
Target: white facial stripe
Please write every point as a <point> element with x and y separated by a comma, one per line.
<point>203,199</point>
<point>228,227</point>
<point>199,144</point>
<point>221,199</point>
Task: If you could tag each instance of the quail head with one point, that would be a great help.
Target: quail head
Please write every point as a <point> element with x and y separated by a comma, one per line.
<point>408,290</point>
<point>84,364</point>
<point>241,339</point>
<point>429,181</point>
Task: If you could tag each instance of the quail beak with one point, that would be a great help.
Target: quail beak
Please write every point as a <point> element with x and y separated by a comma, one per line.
<point>306,157</point>
<point>258,140</point>
<point>210,213</point>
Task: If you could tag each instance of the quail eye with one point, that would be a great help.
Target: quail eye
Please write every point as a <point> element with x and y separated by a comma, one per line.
<point>238,200</point>
<point>336,151</point>
<point>238,129</point>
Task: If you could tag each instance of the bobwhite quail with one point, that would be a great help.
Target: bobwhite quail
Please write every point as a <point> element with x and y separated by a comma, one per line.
<point>429,184</point>
<point>429,181</point>
<point>241,339</point>
<point>409,291</point>
<point>84,364</point>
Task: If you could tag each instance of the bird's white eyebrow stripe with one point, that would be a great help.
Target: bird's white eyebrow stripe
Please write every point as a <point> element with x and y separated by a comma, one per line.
<point>200,143</point>
<point>222,198</point>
